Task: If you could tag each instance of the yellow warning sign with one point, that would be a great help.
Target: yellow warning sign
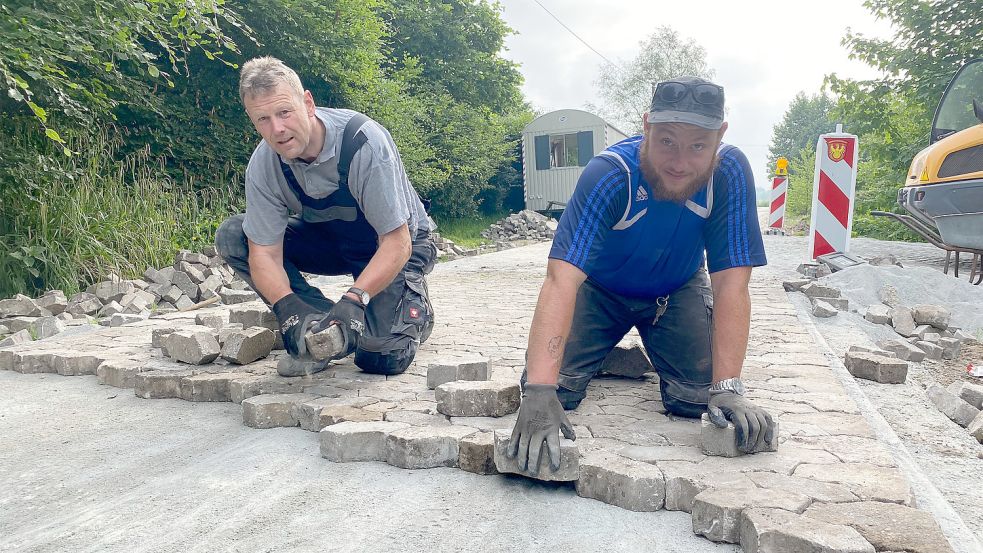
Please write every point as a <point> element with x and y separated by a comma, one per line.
<point>781,167</point>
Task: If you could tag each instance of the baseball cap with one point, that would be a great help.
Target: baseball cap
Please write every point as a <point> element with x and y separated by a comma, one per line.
<point>688,99</point>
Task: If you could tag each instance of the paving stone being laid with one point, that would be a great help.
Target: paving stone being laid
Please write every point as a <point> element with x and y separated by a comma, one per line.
<point>780,531</point>
<point>273,410</point>
<point>569,460</point>
<point>951,405</point>
<point>476,453</point>
<point>357,441</point>
<point>871,366</point>
<point>723,441</point>
<point>245,346</point>
<point>423,447</point>
<point>887,526</point>
<point>717,512</point>
<point>192,347</point>
<point>626,483</point>
<point>629,362</point>
<point>490,398</point>
<point>450,370</point>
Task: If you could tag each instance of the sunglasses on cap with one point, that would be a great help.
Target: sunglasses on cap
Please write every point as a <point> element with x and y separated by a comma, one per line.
<point>707,94</point>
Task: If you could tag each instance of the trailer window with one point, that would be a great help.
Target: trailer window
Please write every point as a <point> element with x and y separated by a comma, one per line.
<point>563,150</point>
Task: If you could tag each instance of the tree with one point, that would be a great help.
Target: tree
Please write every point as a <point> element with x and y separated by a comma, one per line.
<point>807,117</point>
<point>626,89</point>
<point>892,113</point>
<point>82,58</point>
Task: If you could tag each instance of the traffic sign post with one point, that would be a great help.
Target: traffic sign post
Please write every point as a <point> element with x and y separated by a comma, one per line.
<point>833,193</point>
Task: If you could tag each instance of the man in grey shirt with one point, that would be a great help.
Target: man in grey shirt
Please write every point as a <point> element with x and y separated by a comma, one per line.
<point>326,193</point>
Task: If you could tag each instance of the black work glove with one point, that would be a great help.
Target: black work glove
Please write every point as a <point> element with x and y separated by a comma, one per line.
<point>541,418</point>
<point>350,316</point>
<point>294,317</point>
<point>753,426</point>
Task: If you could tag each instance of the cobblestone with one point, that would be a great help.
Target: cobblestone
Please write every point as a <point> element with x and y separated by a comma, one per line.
<point>357,441</point>
<point>273,410</point>
<point>450,370</point>
<point>569,469</point>
<point>489,398</point>
<point>623,482</point>
<point>779,531</point>
<point>723,441</point>
<point>717,512</point>
<point>878,368</point>
<point>423,447</point>
<point>476,453</point>
<point>888,527</point>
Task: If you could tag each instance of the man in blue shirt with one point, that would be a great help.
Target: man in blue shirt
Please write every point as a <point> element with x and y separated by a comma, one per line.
<point>650,217</point>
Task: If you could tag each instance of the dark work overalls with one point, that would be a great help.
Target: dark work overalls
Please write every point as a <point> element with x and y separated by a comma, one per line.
<point>342,242</point>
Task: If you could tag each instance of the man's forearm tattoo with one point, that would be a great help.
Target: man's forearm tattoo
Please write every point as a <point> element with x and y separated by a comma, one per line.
<point>555,346</point>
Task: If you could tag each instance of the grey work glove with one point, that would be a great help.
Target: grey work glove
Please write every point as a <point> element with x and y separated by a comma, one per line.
<point>753,426</point>
<point>541,418</point>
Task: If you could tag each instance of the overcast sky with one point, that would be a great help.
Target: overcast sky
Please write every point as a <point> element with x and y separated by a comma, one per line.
<point>763,52</point>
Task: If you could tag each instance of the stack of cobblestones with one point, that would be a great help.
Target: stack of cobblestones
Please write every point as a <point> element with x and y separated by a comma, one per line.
<point>525,225</point>
<point>192,279</point>
<point>962,402</point>
<point>448,250</point>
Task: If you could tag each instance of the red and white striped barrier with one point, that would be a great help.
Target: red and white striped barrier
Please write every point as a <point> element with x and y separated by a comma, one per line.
<point>776,218</point>
<point>833,193</point>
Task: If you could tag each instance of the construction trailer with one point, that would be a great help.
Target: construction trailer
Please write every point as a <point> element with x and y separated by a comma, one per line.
<point>556,147</point>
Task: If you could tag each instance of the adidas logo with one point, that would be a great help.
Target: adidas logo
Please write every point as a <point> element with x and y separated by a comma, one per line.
<point>641,195</point>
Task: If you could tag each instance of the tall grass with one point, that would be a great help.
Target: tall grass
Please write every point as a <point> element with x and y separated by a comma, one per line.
<point>66,222</point>
<point>466,232</point>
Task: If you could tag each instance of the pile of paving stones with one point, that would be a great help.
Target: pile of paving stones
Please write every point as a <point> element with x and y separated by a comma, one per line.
<point>525,225</point>
<point>962,402</point>
<point>448,250</point>
<point>194,279</point>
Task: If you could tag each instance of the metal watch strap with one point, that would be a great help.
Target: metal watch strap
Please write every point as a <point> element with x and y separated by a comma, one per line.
<point>734,384</point>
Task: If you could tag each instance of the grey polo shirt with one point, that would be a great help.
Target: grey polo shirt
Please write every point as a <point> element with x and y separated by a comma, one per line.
<point>376,179</point>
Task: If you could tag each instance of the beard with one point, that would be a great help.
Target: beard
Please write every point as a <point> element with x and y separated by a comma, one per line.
<point>659,190</point>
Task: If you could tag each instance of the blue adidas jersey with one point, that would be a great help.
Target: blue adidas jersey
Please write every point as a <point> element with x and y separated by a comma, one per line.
<point>628,242</point>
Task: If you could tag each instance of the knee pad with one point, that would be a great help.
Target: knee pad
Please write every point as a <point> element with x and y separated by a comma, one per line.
<point>387,362</point>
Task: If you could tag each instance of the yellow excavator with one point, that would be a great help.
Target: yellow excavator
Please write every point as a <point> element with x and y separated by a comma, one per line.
<point>944,188</point>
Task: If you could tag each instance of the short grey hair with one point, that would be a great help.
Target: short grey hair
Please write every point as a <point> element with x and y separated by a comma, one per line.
<point>260,76</point>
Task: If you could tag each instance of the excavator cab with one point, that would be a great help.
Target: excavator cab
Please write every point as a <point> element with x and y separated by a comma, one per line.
<point>944,186</point>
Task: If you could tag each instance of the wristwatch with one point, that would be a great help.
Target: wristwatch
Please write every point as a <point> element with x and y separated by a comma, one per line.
<point>729,385</point>
<point>363,296</point>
